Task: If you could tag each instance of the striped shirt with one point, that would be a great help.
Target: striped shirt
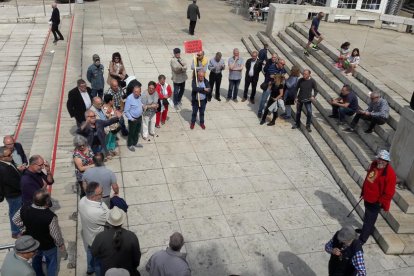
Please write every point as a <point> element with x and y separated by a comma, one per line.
<point>117,96</point>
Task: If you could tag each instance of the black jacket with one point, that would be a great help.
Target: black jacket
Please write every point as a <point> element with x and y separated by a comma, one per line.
<point>412,101</point>
<point>193,12</point>
<point>9,180</point>
<point>19,149</point>
<point>196,89</point>
<point>55,18</point>
<point>127,257</point>
<point>256,70</point>
<point>75,104</point>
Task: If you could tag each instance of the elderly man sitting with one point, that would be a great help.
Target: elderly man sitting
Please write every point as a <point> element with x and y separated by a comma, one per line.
<point>377,113</point>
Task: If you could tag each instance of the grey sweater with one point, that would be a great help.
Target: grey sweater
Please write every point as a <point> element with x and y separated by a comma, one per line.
<point>304,89</point>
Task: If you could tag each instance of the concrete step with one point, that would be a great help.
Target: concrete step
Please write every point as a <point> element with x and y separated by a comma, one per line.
<point>356,144</point>
<point>247,43</point>
<point>361,90</point>
<point>391,242</point>
<point>363,76</point>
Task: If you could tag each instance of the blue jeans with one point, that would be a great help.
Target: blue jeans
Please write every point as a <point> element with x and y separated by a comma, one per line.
<point>14,205</point>
<point>308,106</point>
<point>263,100</point>
<point>51,257</point>
<point>233,89</point>
<point>93,263</point>
<point>200,109</point>
<point>178,92</point>
<point>342,112</point>
<point>97,92</point>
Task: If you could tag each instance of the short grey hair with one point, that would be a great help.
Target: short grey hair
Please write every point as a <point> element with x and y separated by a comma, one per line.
<point>87,113</point>
<point>79,140</point>
<point>376,94</point>
<point>34,158</point>
<point>176,241</point>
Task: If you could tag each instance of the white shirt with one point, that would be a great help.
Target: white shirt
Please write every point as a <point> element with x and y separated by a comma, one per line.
<point>251,72</point>
<point>93,216</point>
<point>86,99</point>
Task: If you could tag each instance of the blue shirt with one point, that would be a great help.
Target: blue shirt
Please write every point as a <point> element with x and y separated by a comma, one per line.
<point>352,99</point>
<point>133,107</point>
<point>315,23</point>
<point>201,85</point>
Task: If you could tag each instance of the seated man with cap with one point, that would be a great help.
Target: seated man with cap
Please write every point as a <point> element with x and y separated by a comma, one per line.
<point>347,256</point>
<point>17,261</point>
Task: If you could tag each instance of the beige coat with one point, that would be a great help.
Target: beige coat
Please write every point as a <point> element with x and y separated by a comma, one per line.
<point>179,74</point>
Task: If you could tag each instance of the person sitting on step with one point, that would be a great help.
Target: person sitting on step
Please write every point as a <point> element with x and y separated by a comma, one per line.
<point>351,63</point>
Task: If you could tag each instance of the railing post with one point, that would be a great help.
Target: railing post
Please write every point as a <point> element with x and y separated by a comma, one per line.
<point>17,8</point>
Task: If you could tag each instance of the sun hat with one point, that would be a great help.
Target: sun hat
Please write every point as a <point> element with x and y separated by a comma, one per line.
<point>116,217</point>
<point>26,244</point>
<point>347,233</point>
<point>384,155</point>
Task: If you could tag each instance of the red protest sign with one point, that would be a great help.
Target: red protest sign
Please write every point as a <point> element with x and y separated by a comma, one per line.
<point>193,46</point>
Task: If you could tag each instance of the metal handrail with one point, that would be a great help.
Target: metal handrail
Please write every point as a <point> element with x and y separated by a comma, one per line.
<point>6,247</point>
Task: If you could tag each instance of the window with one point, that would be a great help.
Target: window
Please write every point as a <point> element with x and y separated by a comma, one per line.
<point>321,3</point>
<point>371,4</point>
<point>347,4</point>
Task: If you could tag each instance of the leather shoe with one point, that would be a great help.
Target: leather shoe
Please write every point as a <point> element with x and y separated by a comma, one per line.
<point>244,99</point>
<point>218,99</point>
<point>271,123</point>
<point>203,126</point>
<point>262,122</point>
<point>192,126</point>
<point>259,115</point>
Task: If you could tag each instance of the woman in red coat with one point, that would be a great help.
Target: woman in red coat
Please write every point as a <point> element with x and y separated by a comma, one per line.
<point>377,192</point>
<point>164,93</point>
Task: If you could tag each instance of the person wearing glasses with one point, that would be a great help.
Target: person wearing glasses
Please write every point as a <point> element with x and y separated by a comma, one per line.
<point>79,100</point>
<point>17,151</point>
<point>36,176</point>
<point>377,113</point>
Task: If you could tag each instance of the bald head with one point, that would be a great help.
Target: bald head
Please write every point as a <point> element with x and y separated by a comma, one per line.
<point>8,142</point>
<point>200,75</point>
<point>97,102</point>
<point>54,5</point>
<point>114,85</point>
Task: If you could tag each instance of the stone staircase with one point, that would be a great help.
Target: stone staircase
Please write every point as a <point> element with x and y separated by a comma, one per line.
<point>347,155</point>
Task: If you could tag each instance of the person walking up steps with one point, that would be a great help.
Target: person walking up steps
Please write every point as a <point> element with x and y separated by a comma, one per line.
<point>313,32</point>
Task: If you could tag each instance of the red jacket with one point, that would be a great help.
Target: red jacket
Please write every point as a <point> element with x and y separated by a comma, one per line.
<point>160,95</point>
<point>379,185</point>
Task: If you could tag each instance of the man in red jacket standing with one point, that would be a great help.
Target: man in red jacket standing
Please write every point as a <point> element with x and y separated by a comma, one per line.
<point>164,93</point>
<point>377,192</point>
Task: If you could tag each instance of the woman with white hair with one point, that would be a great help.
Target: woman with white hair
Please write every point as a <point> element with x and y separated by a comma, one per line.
<point>83,159</point>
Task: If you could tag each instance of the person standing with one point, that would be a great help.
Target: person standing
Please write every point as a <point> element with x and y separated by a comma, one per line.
<point>116,91</point>
<point>117,247</point>
<point>36,176</point>
<point>17,262</point>
<point>95,76</point>
<point>79,100</point>
<point>347,256</point>
<point>10,187</point>
<point>216,66</point>
<point>150,105</point>
<point>236,65</point>
<point>179,76</point>
<point>93,215</point>
<point>42,224</point>
<point>304,97</point>
<point>102,175</point>
<point>290,90</point>
<point>268,70</point>
<point>377,191</point>
<point>253,69</point>
<point>17,152</point>
<point>133,111</point>
<point>164,93</point>
<point>169,261</point>
<point>276,93</point>
<point>201,89</point>
<point>313,32</point>
<point>263,53</point>
<point>192,13</point>
<point>55,21</point>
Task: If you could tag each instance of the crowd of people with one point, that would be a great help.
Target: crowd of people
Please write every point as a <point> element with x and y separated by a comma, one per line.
<point>100,115</point>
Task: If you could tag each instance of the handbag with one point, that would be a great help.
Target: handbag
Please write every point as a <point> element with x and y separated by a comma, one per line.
<point>264,85</point>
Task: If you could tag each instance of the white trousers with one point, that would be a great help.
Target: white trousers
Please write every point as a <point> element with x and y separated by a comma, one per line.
<point>148,126</point>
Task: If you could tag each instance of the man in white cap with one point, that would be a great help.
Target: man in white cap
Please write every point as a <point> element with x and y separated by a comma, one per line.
<point>347,256</point>
<point>17,261</point>
<point>377,192</point>
<point>116,246</point>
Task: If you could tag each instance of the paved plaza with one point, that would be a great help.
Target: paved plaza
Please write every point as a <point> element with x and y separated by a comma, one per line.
<point>248,199</point>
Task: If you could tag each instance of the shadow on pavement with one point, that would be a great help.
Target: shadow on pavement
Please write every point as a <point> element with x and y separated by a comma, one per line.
<point>293,265</point>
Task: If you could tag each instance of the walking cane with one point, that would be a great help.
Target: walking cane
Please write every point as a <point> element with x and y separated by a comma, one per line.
<point>195,74</point>
<point>354,208</point>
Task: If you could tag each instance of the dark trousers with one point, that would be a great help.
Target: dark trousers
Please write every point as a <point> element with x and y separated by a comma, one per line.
<point>373,120</point>
<point>247,81</point>
<point>342,112</point>
<point>233,89</point>
<point>371,214</point>
<point>197,109</point>
<point>134,130</point>
<point>97,92</point>
<point>266,112</point>
<point>56,32</point>
<point>215,79</point>
<point>308,106</point>
<point>178,92</point>
<point>192,27</point>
